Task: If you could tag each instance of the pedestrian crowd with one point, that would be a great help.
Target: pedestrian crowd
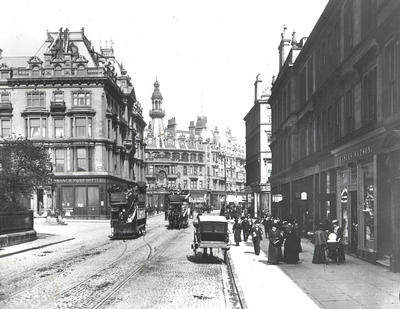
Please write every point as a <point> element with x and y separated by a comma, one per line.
<point>328,239</point>
<point>279,233</point>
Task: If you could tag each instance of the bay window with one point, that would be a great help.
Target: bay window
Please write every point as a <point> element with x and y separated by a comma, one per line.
<point>35,127</point>
<point>81,127</point>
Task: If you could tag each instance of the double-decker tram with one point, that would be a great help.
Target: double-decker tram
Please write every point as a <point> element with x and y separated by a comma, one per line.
<point>128,211</point>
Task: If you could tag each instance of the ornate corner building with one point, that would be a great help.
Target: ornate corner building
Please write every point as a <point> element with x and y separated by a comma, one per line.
<point>198,159</point>
<point>336,126</point>
<point>82,105</point>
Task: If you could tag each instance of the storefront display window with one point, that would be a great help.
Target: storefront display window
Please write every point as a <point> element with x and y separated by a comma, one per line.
<point>345,215</point>
<point>368,206</point>
<point>67,197</point>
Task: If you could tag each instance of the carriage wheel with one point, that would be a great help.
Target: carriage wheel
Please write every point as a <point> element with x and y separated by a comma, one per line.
<point>225,255</point>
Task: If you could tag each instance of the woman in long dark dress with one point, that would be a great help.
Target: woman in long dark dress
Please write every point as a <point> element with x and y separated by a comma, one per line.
<point>341,244</point>
<point>275,244</point>
<point>256,235</point>
<point>291,246</point>
<point>320,240</point>
<point>236,228</point>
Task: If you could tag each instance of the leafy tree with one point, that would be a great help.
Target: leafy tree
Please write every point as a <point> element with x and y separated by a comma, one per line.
<point>24,167</point>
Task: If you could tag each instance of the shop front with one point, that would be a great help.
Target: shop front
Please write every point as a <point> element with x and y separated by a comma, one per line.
<point>83,197</point>
<point>388,231</point>
<point>357,199</point>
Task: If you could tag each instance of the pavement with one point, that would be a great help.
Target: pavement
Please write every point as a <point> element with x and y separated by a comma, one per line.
<point>355,284</point>
<point>47,234</point>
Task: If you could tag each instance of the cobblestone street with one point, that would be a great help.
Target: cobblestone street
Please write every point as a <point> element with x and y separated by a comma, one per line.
<point>154,271</point>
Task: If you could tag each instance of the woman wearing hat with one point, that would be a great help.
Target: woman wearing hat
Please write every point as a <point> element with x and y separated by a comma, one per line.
<point>291,246</point>
<point>256,235</point>
<point>340,240</point>
<point>320,240</point>
<point>275,237</point>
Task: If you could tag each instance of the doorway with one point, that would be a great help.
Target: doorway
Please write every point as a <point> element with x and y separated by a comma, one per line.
<point>39,203</point>
<point>354,222</point>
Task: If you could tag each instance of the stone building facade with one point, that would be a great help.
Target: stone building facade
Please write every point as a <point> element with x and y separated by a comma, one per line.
<point>336,123</point>
<point>258,153</point>
<point>198,159</point>
<point>81,103</point>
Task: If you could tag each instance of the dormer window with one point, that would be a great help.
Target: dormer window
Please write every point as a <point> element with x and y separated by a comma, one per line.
<point>81,99</point>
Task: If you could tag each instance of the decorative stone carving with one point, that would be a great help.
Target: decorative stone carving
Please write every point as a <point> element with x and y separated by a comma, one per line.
<point>81,59</point>
<point>35,60</point>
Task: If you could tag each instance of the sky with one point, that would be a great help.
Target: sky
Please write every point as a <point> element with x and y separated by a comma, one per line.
<point>205,54</point>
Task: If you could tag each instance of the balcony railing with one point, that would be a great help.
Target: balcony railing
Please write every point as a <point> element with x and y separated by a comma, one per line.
<point>157,113</point>
<point>57,106</point>
<point>6,108</point>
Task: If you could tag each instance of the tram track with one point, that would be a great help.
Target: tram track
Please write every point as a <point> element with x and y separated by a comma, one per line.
<point>70,260</point>
<point>44,271</point>
<point>97,289</point>
<point>99,281</point>
<point>134,272</point>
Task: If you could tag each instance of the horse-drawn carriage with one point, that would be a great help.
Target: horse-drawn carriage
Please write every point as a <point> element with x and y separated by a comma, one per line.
<point>128,211</point>
<point>211,232</point>
<point>178,209</point>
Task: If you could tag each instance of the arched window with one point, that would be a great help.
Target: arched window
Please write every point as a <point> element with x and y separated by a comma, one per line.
<point>57,71</point>
<point>35,71</point>
<point>81,70</point>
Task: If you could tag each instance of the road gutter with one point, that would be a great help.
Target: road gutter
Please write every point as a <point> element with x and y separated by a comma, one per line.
<point>236,283</point>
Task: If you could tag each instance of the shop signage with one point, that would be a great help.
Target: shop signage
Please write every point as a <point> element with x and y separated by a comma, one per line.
<point>354,155</point>
<point>79,180</point>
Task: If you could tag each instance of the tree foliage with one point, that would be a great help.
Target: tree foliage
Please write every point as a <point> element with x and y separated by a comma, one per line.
<point>24,167</point>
